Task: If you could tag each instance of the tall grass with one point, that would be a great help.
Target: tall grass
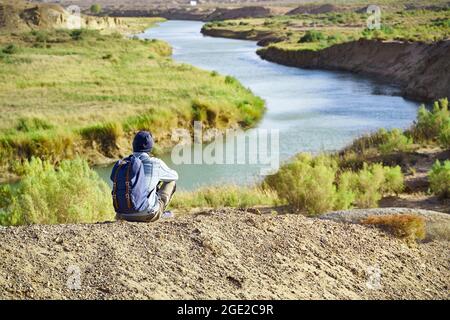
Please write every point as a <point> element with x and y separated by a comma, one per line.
<point>68,193</point>
<point>225,196</point>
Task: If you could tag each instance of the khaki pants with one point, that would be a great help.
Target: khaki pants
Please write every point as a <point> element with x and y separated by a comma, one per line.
<point>165,194</point>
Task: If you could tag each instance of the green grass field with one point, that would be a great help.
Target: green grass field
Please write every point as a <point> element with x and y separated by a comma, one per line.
<point>66,93</point>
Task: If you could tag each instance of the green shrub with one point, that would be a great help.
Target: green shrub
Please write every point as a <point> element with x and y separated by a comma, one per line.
<point>432,124</point>
<point>346,195</point>
<point>11,49</point>
<point>335,38</point>
<point>77,34</point>
<point>393,180</point>
<point>372,182</point>
<point>40,35</point>
<point>430,127</point>
<point>439,178</point>
<point>95,8</point>
<point>316,185</point>
<point>232,80</point>
<point>312,36</point>
<point>69,193</point>
<point>441,22</point>
<point>444,135</point>
<point>394,141</point>
<point>107,56</point>
<point>306,183</point>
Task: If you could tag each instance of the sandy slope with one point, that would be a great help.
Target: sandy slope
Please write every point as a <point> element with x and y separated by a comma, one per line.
<point>219,254</point>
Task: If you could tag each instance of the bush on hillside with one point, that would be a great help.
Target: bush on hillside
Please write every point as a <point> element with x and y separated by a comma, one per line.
<point>10,49</point>
<point>77,34</point>
<point>439,178</point>
<point>444,135</point>
<point>95,8</point>
<point>395,141</point>
<point>432,126</point>
<point>372,182</point>
<point>316,185</point>
<point>312,36</point>
<point>306,183</point>
<point>69,193</point>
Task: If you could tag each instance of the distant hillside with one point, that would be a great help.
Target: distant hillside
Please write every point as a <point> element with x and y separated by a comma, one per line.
<point>21,15</point>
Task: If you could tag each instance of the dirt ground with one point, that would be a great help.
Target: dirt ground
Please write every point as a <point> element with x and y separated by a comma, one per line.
<point>219,254</point>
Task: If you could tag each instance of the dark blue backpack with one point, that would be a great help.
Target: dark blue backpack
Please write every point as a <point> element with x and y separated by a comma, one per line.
<point>130,191</point>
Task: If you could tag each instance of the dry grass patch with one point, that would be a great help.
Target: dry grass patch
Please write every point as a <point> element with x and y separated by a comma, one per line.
<point>406,226</point>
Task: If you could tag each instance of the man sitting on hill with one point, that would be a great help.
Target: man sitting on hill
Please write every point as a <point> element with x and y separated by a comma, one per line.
<point>142,185</point>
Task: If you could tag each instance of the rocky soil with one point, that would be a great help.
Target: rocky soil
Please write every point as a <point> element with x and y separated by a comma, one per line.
<point>220,254</point>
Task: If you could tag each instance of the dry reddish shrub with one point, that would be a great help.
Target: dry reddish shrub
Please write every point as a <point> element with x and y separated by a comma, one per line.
<point>405,226</point>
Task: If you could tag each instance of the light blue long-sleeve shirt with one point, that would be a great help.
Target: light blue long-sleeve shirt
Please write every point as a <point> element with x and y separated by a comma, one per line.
<point>155,171</point>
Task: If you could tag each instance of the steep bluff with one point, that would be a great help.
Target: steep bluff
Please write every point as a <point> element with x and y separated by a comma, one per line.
<point>26,16</point>
<point>421,70</point>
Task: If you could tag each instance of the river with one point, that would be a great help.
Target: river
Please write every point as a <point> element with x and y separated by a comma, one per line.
<point>313,110</point>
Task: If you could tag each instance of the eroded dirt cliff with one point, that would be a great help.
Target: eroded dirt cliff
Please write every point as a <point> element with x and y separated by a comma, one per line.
<point>422,70</point>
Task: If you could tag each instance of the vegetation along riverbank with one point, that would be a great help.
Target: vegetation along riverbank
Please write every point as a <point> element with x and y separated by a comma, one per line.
<point>386,168</point>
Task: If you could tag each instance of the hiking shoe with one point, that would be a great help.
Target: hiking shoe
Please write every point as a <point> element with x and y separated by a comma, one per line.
<point>167,215</point>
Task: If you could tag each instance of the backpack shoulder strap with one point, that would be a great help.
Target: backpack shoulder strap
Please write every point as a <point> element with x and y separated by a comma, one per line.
<point>114,194</point>
<point>127,185</point>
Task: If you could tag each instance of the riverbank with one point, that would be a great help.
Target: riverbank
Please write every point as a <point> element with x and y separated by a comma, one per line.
<point>410,50</point>
<point>421,70</point>
<point>219,254</point>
